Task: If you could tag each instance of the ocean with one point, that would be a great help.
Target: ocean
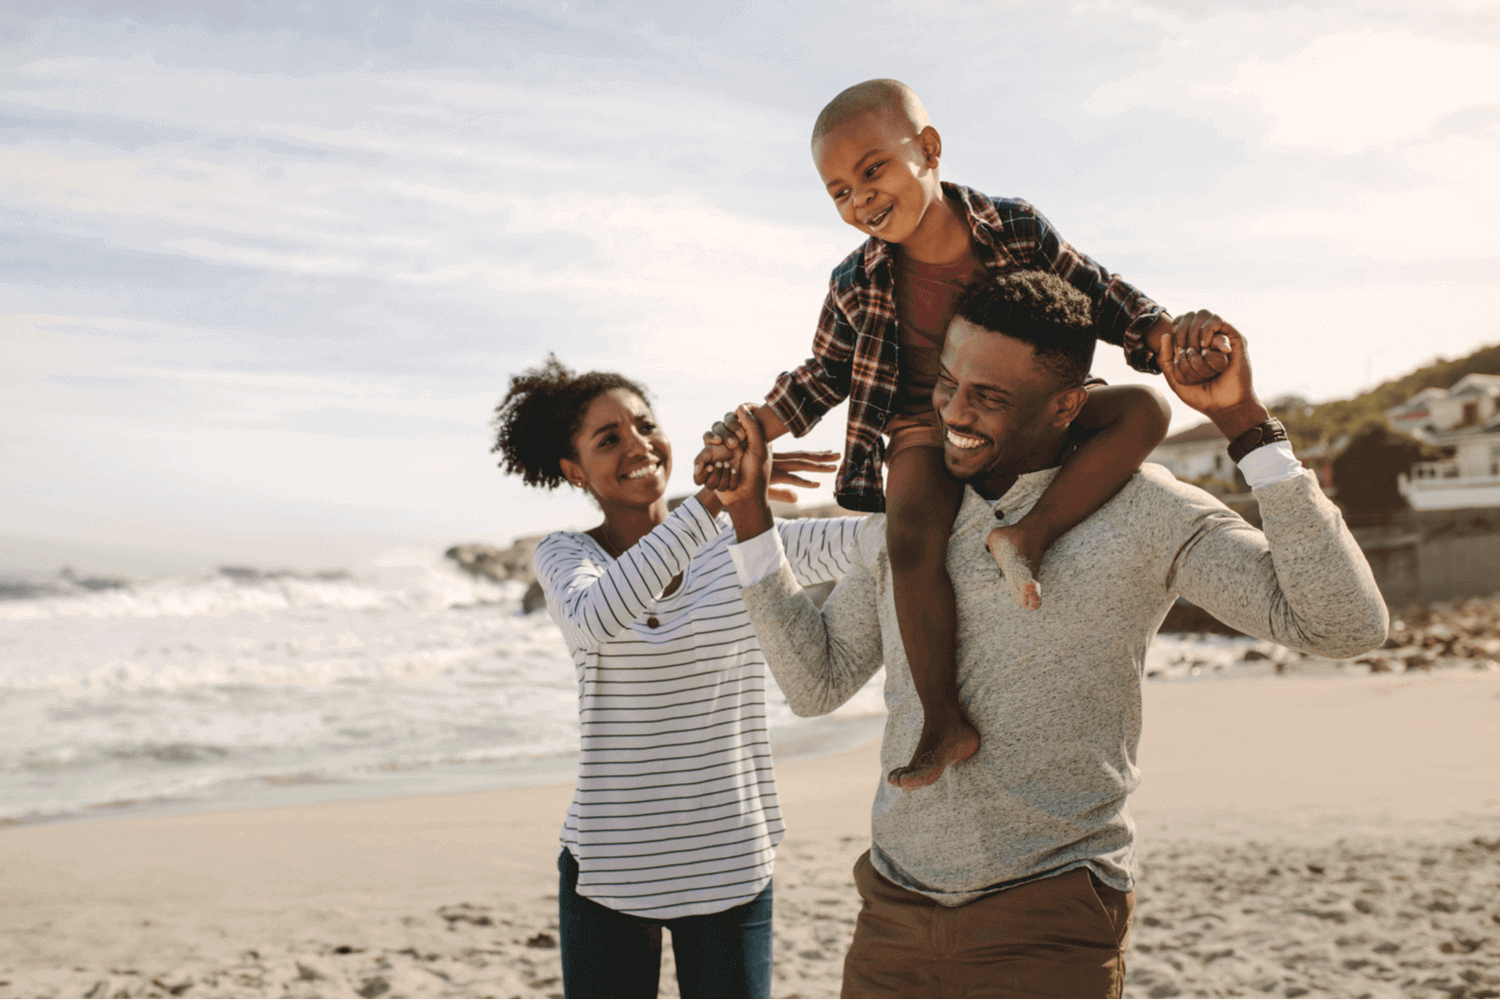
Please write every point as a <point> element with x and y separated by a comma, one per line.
<point>250,686</point>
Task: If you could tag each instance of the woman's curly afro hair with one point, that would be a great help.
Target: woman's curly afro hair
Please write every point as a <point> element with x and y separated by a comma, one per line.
<point>536,421</point>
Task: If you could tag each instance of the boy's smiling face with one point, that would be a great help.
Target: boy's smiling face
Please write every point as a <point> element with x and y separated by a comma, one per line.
<point>881,173</point>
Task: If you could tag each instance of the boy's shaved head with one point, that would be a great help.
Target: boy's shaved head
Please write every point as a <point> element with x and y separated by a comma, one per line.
<point>891,96</point>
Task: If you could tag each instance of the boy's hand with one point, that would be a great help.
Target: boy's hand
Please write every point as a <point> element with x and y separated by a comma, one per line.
<point>728,430</point>
<point>722,445</point>
<point>1195,344</point>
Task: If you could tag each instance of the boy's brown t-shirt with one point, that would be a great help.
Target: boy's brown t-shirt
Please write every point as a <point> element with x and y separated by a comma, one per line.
<point>926,298</point>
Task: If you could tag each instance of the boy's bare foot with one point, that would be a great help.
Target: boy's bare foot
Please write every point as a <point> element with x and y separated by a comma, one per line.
<point>941,744</point>
<point>1018,554</point>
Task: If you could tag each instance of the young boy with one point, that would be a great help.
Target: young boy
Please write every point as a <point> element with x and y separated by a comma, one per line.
<point>878,342</point>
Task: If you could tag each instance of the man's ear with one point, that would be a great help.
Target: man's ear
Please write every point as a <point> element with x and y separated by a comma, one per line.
<point>572,472</point>
<point>931,145</point>
<point>1067,404</point>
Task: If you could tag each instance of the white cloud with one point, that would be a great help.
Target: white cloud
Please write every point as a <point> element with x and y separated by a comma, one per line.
<point>1352,90</point>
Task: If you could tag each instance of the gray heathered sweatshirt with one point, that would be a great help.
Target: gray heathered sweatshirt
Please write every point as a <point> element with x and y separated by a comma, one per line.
<point>1056,693</point>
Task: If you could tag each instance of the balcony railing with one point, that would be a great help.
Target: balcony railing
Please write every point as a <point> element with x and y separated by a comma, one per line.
<point>1447,469</point>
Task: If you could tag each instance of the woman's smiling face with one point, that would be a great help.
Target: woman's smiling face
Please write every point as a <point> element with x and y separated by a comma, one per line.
<point>622,456</point>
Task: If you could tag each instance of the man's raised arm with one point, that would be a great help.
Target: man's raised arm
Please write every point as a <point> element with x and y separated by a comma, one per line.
<point>819,658</point>
<point>1302,580</point>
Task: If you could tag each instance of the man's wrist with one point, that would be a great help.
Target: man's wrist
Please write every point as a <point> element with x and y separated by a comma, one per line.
<point>1236,420</point>
<point>751,517</point>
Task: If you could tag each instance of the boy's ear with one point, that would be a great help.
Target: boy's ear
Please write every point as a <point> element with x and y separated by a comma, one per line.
<point>931,145</point>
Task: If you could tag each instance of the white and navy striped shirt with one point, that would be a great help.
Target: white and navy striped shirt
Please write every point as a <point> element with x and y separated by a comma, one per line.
<point>675,812</point>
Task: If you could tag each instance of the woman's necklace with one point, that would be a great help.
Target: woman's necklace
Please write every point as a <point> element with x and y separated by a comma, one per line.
<point>615,550</point>
<point>607,541</point>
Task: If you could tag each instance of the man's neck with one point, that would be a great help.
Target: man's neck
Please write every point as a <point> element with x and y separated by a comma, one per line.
<point>995,485</point>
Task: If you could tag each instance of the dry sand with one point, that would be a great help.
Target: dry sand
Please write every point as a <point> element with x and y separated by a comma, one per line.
<point>1299,837</point>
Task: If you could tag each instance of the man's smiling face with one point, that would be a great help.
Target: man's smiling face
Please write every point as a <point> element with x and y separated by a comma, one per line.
<point>998,407</point>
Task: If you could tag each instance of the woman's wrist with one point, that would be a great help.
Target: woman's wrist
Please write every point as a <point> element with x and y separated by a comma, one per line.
<point>710,501</point>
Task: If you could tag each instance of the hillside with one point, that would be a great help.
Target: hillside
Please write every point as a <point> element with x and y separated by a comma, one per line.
<point>1307,424</point>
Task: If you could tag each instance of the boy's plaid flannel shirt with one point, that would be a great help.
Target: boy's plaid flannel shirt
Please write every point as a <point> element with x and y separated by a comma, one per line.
<point>855,351</point>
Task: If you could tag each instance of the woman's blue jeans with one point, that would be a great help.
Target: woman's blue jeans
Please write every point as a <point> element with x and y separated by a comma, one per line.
<point>606,953</point>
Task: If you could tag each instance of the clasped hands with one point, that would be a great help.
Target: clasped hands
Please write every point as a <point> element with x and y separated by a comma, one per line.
<point>722,465</point>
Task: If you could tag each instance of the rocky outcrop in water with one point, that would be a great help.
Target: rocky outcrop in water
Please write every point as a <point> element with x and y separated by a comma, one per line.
<point>497,564</point>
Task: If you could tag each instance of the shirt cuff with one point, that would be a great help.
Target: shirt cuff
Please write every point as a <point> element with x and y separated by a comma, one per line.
<point>1270,464</point>
<point>758,558</point>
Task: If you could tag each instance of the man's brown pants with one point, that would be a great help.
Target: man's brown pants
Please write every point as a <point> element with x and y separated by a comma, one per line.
<point>1061,936</point>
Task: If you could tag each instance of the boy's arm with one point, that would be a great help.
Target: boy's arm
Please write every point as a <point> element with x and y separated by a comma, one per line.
<point>1126,316</point>
<point>1124,424</point>
<point>800,397</point>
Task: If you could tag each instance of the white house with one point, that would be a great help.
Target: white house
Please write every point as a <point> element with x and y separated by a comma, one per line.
<point>1466,419</point>
<point>1472,401</point>
<point>1194,453</point>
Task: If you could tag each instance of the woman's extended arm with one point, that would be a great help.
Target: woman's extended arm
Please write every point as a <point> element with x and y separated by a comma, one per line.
<point>592,603</point>
<point>819,549</point>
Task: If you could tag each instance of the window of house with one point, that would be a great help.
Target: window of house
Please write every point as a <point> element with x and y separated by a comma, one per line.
<point>1471,413</point>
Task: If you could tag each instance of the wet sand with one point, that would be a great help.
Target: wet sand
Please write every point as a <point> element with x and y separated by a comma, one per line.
<point>1334,836</point>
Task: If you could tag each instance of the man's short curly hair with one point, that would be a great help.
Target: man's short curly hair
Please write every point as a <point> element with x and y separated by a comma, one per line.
<point>536,421</point>
<point>1043,310</point>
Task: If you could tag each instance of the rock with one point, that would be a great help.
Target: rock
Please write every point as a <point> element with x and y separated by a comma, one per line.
<point>497,564</point>
<point>374,987</point>
<point>534,599</point>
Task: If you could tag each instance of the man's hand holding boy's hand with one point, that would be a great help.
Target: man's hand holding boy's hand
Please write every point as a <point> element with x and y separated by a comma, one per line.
<point>1196,347</point>
<point>1229,398</point>
<point>719,461</point>
<point>746,501</point>
<point>721,451</point>
<point>753,479</point>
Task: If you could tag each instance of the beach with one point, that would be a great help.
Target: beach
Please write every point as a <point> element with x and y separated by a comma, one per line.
<point>1299,836</point>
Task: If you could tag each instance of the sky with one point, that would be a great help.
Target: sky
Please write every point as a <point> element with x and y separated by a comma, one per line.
<point>266,269</point>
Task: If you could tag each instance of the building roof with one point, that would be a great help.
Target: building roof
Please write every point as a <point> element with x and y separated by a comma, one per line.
<point>1205,431</point>
<point>1473,384</point>
<point>1476,384</point>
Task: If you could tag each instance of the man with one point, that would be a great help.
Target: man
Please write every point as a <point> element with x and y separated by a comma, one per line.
<point>1013,875</point>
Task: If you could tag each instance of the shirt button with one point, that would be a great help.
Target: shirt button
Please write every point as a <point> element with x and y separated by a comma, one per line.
<point>652,622</point>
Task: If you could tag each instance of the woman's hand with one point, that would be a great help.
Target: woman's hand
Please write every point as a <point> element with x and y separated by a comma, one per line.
<point>784,465</point>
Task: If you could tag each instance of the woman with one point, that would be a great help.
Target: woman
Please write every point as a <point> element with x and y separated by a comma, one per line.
<point>675,819</point>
